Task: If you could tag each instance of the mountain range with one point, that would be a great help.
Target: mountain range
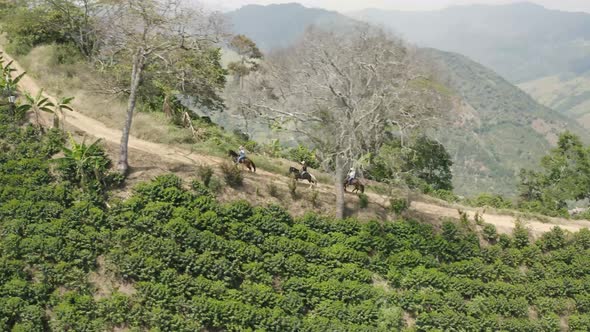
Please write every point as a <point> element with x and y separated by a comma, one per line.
<point>499,130</point>
<point>546,52</point>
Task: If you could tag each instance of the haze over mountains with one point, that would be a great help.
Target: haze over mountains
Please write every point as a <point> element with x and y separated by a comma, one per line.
<point>500,128</point>
<point>546,52</point>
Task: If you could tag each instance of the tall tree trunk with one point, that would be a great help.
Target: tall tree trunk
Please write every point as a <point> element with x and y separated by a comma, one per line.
<point>339,178</point>
<point>138,61</point>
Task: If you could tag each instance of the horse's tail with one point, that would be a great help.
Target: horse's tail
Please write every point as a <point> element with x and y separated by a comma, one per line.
<point>362,188</point>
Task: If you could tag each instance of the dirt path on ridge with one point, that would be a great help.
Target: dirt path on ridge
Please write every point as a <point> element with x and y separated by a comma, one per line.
<point>82,123</point>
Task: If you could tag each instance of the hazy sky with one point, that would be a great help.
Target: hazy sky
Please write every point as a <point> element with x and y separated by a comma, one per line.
<point>351,5</point>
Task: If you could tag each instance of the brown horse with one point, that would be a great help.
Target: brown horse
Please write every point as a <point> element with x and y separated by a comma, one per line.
<point>245,162</point>
<point>358,186</point>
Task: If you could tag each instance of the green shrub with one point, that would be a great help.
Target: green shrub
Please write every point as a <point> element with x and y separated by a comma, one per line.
<point>200,188</point>
<point>302,153</point>
<point>489,233</point>
<point>445,195</point>
<point>232,175</point>
<point>520,234</point>
<point>205,173</point>
<point>398,205</point>
<point>491,200</point>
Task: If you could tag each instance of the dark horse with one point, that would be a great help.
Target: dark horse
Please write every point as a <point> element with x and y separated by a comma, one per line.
<point>246,162</point>
<point>303,176</point>
<point>358,186</point>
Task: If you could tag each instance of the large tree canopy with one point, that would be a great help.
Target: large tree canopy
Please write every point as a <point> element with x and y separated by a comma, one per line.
<point>422,160</point>
<point>342,91</point>
<point>564,176</point>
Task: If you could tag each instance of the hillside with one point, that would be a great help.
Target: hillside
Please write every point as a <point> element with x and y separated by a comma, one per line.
<point>150,159</point>
<point>567,93</point>
<point>520,41</point>
<point>170,258</point>
<point>501,129</point>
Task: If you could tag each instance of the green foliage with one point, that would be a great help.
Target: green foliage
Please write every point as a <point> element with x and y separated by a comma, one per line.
<point>302,153</point>
<point>564,176</point>
<point>489,233</point>
<point>88,166</point>
<point>491,200</point>
<point>232,174</point>
<point>423,160</point>
<point>27,27</point>
<point>398,205</point>
<point>445,195</point>
<point>196,264</point>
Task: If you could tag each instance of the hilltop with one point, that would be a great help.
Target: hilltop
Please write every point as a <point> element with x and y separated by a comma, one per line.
<point>500,128</point>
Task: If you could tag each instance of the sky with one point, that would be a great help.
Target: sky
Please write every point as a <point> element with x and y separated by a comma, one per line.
<point>352,5</point>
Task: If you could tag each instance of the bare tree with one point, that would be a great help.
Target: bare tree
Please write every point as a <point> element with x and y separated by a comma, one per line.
<point>168,35</point>
<point>343,92</point>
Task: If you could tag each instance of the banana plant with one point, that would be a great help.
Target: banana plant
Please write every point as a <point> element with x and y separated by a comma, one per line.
<point>62,104</point>
<point>39,103</point>
<point>81,162</point>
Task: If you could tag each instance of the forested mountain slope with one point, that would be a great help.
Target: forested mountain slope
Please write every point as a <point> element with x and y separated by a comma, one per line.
<point>520,41</point>
<point>500,128</point>
<point>567,93</point>
<point>545,51</point>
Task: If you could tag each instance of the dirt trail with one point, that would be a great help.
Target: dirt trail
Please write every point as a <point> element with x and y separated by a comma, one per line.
<point>80,122</point>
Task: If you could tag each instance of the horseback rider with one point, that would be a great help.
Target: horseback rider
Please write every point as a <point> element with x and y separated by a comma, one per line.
<point>350,176</point>
<point>241,154</point>
<point>303,167</point>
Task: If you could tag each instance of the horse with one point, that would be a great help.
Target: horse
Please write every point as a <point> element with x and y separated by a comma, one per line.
<point>245,161</point>
<point>303,176</point>
<point>358,186</point>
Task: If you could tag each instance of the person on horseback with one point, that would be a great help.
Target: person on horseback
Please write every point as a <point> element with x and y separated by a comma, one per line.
<point>241,154</point>
<point>351,175</point>
<point>303,168</point>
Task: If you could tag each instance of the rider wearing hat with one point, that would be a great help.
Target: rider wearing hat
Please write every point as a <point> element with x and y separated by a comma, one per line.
<point>241,154</point>
<point>351,175</point>
<point>303,167</point>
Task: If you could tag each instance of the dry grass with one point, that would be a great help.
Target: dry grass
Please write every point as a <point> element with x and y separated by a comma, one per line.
<point>80,81</point>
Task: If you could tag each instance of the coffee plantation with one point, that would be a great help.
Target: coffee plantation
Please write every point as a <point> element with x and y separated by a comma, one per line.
<point>197,264</point>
